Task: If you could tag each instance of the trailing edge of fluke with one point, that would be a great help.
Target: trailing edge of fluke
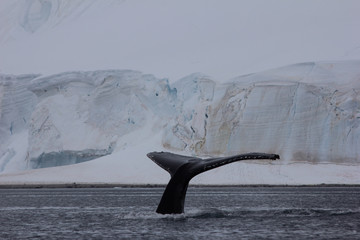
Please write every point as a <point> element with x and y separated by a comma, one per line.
<point>183,168</point>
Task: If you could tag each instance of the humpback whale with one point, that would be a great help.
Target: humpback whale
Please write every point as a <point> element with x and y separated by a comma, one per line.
<point>183,168</point>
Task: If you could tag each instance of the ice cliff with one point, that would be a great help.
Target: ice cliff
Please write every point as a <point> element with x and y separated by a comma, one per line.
<point>305,112</point>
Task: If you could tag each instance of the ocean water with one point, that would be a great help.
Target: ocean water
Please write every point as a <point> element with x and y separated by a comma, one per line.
<point>210,213</point>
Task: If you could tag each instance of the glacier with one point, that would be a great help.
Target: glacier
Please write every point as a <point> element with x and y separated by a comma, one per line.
<point>97,126</point>
<point>305,112</point>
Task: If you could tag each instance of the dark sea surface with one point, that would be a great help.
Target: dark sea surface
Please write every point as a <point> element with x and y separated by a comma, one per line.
<point>210,213</point>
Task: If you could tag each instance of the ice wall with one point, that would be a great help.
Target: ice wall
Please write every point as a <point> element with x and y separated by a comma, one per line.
<point>76,116</point>
<point>305,112</point>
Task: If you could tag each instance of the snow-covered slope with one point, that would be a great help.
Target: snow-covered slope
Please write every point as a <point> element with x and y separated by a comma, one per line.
<point>308,113</point>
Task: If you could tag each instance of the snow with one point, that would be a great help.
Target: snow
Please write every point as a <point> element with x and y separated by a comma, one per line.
<point>118,116</point>
<point>296,94</point>
<point>131,166</point>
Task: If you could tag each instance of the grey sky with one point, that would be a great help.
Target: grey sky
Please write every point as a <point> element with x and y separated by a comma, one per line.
<point>172,39</point>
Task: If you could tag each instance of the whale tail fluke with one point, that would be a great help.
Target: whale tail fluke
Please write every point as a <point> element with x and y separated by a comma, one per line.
<point>170,161</point>
<point>183,168</point>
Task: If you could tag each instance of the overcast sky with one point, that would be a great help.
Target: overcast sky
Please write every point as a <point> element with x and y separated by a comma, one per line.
<point>173,39</point>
